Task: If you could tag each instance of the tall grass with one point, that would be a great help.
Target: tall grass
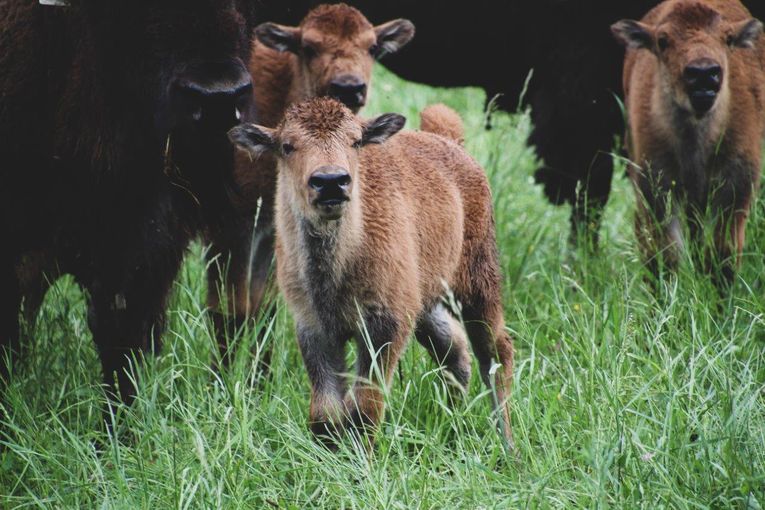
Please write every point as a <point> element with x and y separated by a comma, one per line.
<point>623,397</point>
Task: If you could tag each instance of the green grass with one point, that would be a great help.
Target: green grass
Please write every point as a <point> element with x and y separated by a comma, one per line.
<point>623,397</point>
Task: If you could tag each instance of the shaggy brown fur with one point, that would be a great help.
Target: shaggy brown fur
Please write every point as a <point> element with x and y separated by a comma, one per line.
<point>695,147</point>
<point>415,217</point>
<point>441,120</point>
<point>333,44</point>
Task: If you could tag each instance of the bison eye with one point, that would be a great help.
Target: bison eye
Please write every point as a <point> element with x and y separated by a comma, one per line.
<point>287,149</point>
<point>663,42</point>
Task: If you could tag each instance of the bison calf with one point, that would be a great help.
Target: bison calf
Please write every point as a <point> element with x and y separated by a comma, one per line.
<point>330,53</point>
<point>694,81</point>
<point>367,236</point>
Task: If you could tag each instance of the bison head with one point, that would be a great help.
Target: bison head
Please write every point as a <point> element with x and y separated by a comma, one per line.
<point>336,46</point>
<point>317,146</point>
<point>693,43</point>
<point>173,72</point>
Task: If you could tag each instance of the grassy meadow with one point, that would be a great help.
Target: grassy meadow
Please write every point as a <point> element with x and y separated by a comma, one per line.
<point>623,397</point>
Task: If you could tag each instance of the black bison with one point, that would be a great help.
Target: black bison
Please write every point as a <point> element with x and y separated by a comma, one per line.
<point>113,155</point>
<point>694,80</point>
<point>572,93</point>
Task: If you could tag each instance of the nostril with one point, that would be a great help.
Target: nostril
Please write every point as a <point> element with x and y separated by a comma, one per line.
<point>344,180</point>
<point>357,89</point>
<point>316,182</point>
<point>715,74</point>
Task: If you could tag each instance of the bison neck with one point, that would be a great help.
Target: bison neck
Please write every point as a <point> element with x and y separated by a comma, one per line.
<point>328,257</point>
<point>273,75</point>
<point>697,142</point>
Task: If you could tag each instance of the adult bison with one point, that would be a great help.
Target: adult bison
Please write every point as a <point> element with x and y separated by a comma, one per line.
<point>572,93</point>
<point>113,154</point>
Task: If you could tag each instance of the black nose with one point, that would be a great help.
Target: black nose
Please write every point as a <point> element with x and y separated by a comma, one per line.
<point>327,183</point>
<point>213,93</point>
<point>349,90</point>
<point>703,75</point>
<point>703,79</point>
<point>331,185</point>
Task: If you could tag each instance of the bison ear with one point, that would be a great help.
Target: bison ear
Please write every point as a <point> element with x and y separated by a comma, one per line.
<point>278,37</point>
<point>633,34</point>
<point>745,33</point>
<point>392,36</point>
<point>381,128</point>
<point>251,138</point>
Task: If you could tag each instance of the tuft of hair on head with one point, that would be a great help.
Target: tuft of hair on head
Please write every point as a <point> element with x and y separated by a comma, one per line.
<point>319,116</point>
<point>441,120</point>
<point>337,18</point>
<point>693,15</point>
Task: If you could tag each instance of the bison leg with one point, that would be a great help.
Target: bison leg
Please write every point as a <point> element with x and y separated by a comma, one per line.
<point>126,320</point>
<point>657,225</point>
<point>128,288</point>
<point>239,278</point>
<point>35,272</point>
<point>577,164</point>
<point>444,338</point>
<point>492,345</point>
<point>480,293</point>
<point>378,355</point>
<point>10,296</point>
<point>731,202</point>
<point>324,359</point>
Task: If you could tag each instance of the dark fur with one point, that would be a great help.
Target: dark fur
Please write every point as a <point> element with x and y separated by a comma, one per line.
<point>86,181</point>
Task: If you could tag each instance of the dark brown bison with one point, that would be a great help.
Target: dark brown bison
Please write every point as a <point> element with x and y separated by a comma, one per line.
<point>371,229</point>
<point>572,93</point>
<point>113,154</point>
<point>694,81</point>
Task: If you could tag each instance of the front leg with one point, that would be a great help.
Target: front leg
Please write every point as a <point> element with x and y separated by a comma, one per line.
<point>239,277</point>
<point>731,202</point>
<point>380,345</point>
<point>134,263</point>
<point>324,359</point>
<point>657,224</point>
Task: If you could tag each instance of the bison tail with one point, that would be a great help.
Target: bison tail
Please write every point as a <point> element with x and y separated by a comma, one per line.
<point>441,120</point>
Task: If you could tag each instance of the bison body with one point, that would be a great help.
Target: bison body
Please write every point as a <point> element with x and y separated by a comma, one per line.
<point>694,80</point>
<point>113,154</point>
<point>369,231</point>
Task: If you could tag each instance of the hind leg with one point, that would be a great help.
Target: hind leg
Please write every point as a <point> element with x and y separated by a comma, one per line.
<point>482,314</point>
<point>444,338</point>
<point>491,345</point>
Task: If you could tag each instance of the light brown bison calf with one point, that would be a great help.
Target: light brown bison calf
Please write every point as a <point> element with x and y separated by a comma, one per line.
<point>369,231</point>
<point>330,53</point>
<point>694,80</point>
